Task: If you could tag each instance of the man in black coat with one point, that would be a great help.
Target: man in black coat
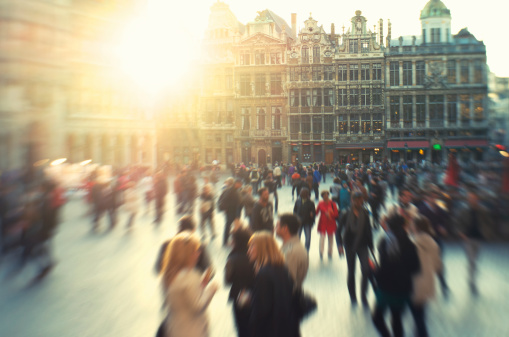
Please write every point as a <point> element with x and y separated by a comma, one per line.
<point>230,202</point>
<point>262,217</point>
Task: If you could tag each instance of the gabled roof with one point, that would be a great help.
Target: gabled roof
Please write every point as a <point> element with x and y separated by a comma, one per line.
<point>280,23</point>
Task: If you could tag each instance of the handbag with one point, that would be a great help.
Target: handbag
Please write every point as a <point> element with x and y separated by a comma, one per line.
<point>304,304</point>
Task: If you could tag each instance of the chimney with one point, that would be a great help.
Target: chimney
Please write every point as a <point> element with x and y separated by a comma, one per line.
<point>294,24</point>
<point>389,26</point>
<point>381,31</point>
<point>332,32</point>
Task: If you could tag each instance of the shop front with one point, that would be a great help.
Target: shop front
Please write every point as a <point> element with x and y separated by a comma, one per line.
<point>359,153</point>
<point>411,150</point>
<point>467,149</point>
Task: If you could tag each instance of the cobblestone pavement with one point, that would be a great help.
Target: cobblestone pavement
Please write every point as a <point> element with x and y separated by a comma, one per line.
<point>105,285</point>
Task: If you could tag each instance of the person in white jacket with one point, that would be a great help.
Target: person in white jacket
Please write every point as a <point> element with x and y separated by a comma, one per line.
<point>187,292</point>
<point>424,282</point>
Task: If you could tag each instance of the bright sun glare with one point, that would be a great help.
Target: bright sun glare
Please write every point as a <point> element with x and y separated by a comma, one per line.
<point>154,51</point>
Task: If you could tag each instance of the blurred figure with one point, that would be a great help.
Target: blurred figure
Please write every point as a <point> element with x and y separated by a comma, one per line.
<point>317,177</point>
<point>262,218</point>
<point>248,201</point>
<point>277,176</point>
<point>474,225</point>
<point>146,186</point>
<point>398,263</point>
<point>104,200</point>
<point>296,183</point>
<point>207,210</point>
<point>229,202</point>
<point>375,200</point>
<point>131,202</point>
<point>239,273</point>
<point>254,176</point>
<point>304,208</point>
<point>187,292</point>
<point>328,212</point>
<point>424,282</point>
<point>335,190</point>
<point>356,237</point>
<point>272,312</point>
<point>296,257</point>
<point>272,185</point>
<point>160,191</point>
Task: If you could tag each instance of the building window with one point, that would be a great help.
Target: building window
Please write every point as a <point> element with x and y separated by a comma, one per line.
<point>377,96</point>
<point>354,72</point>
<point>377,123</point>
<point>293,74</point>
<point>464,71</point>
<point>229,79</point>
<point>305,74</point>
<point>354,46</point>
<point>354,123</point>
<point>419,72</point>
<point>394,109</point>
<point>435,35</point>
<point>305,125</point>
<point>275,84</point>
<point>394,70</point>
<point>244,58</point>
<point>451,71</point>
<point>452,109</point>
<point>260,84</point>
<point>365,123</point>
<point>317,124</point>
<point>245,86</point>
<point>317,74</point>
<point>342,73</point>
<point>210,107</point>
<point>317,97</point>
<point>478,107</point>
<point>424,36</point>
<point>229,138</point>
<point>376,75</point>
<point>465,109</point>
<point>328,125</point>
<point>365,96</point>
<point>420,110</point>
<point>229,112</point>
<point>246,118</point>
<point>305,54</point>
<point>218,138</point>
<point>328,96</point>
<point>342,97</point>
<point>316,54</point>
<point>294,124</point>
<point>436,109</point>
<point>275,58</point>
<point>354,97</point>
<point>260,118</point>
<point>364,72</point>
<point>364,46</point>
<point>342,124</point>
<point>407,73</point>
<point>221,111</point>
<point>276,118</point>
<point>305,98</point>
<point>259,57</point>
<point>407,111</point>
<point>294,97</point>
<point>478,73</point>
<point>329,73</point>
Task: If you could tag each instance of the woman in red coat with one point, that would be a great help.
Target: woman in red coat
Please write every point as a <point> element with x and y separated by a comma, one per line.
<point>328,212</point>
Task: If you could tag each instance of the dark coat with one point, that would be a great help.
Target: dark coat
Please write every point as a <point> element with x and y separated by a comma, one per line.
<point>262,218</point>
<point>239,272</point>
<point>272,312</point>
<point>355,237</point>
<point>396,269</point>
<point>305,211</point>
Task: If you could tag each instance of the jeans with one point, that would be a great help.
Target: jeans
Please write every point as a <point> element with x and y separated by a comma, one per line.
<point>418,313</point>
<point>379,320</point>
<point>315,188</point>
<point>351,256</point>
<point>322,243</point>
<point>307,234</point>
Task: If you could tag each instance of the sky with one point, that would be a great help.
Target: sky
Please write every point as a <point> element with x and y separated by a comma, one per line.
<point>189,19</point>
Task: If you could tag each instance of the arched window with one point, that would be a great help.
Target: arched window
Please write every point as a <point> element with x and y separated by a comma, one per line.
<point>305,54</point>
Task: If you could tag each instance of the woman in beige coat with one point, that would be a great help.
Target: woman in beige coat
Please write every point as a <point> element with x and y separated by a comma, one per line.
<point>424,282</point>
<point>187,292</point>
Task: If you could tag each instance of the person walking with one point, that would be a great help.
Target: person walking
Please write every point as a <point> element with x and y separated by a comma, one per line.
<point>424,282</point>
<point>272,311</point>
<point>229,202</point>
<point>296,256</point>
<point>398,264</point>
<point>248,201</point>
<point>239,273</point>
<point>304,208</point>
<point>131,203</point>
<point>160,192</point>
<point>328,212</point>
<point>187,292</point>
<point>262,217</point>
<point>356,240</point>
<point>207,210</point>
<point>317,177</point>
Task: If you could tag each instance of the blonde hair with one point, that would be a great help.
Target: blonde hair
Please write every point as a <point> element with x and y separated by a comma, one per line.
<point>267,250</point>
<point>178,255</point>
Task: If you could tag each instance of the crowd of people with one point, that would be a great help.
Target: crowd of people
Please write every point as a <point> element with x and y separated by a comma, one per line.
<point>409,209</point>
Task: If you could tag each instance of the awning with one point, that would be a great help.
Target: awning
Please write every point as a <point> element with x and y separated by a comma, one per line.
<point>410,144</point>
<point>460,143</point>
<point>358,146</point>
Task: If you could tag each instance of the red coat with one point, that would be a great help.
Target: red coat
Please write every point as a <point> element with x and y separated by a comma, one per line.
<point>327,224</point>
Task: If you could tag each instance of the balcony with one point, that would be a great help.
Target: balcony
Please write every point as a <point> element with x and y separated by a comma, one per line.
<point>260,133</point>
<point>395,125</point>
<point>329,136</point>
<point>407,124</point>
<point>420,124</point>
<point>278,133</point>
<point>244,133</point>
<point>294,136</point>
<point>436,124</point>
<point>306,136</point>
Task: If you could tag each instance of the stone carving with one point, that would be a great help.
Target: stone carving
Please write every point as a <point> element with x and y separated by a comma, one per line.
<point>435,79</point>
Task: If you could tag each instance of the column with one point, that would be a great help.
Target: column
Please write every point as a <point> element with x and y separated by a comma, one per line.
<point>414,73</point>
<point>426,109</point>
<point>400,73</point>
